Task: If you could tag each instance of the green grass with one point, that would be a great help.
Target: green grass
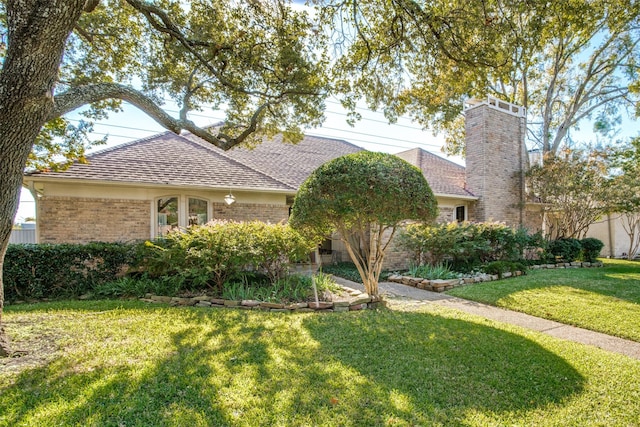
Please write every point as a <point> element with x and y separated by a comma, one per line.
<point>600,299</point>
<point>121,363</point>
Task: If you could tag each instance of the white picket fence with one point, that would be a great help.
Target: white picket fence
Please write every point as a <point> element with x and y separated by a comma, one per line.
<point>22,236</point>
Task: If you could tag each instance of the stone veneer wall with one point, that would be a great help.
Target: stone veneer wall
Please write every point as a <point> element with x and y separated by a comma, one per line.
<point>83,220</point>
<point>251,211</point>
<point>495,162</point>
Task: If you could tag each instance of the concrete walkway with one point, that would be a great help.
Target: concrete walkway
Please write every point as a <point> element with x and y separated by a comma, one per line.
<point>410,296</point>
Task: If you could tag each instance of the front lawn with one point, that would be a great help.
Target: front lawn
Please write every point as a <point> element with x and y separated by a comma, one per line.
<point>122,363</point>
<point>601,299</point>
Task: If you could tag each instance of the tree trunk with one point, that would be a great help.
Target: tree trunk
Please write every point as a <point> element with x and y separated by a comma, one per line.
<point>37,32</point>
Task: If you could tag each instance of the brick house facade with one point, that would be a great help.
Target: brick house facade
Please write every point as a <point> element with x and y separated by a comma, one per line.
<point>140,190</point>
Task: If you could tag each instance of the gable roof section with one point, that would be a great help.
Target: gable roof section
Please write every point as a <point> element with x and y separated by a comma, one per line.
<point>288,163</point>
<point>167,159</point>
<point>444,176</point>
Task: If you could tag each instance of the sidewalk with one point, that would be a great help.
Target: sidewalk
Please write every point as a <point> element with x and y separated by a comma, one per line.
<point>412,295</point>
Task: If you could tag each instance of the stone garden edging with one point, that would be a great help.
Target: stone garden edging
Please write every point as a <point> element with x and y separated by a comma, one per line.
<point>352,300</point>
<point>442,285</point>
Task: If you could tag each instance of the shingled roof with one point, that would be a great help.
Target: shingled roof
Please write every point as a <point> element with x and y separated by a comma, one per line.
<point>288,163</point>
<point>186,160</point>
<point>444,177</point>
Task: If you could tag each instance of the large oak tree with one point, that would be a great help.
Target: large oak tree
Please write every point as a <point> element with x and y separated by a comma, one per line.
<point>258,60</point>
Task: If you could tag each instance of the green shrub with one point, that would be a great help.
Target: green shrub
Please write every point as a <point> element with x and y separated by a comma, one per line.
<point>293,288</point>
<point>591,248</point>
<point>500,267</point>
<point>64,270</point>
<point>346,270</point>
<point>139,287</point>
<point>568,249</point>
<point>204,256</point>
<point>275,247</point>
<point>211,255</point>
<point>466,245</point>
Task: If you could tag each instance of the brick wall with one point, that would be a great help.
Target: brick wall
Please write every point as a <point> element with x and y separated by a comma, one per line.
<point>81,220</point>
<point>495,161</point>
<point>445,214</point>
<point>249,212</point>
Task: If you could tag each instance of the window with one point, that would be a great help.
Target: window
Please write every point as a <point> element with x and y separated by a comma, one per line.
<point>460,213</point>
<point>167,215</point>
<point>198,211</point>
<point>179,212</point>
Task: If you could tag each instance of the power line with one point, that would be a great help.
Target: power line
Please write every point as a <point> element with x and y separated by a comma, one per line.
<point>338,113</point>
<point>342,133</point>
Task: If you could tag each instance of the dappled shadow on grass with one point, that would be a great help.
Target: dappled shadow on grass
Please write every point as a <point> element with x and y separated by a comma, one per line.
<point>204,367</point>
<point>443,368</point>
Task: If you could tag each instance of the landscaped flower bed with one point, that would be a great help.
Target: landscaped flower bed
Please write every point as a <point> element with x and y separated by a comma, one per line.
<point>442,285</point>
<point>347,299</point>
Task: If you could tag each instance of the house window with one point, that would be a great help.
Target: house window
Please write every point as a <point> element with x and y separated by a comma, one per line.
<point>460,213</point>
<point>180,212</point>
<point>167,215</point>
<point>198,209</point>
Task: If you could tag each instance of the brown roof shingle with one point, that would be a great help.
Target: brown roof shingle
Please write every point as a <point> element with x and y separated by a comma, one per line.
<point>444,176</point>
<point>168,159</point>
<point>186,160</point>
<point>288,163</point>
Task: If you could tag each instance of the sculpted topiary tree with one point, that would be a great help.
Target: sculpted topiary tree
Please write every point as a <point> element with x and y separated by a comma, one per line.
<point>364,197</point>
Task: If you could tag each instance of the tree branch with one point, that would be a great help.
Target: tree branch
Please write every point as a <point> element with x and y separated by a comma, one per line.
<point>79,96</point>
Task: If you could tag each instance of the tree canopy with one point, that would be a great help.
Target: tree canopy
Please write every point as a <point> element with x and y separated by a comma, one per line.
<point>563,61</point>
<point>573,190</point>
<point>364,197</point>
<point>260,61</point>
<point>625,189</point>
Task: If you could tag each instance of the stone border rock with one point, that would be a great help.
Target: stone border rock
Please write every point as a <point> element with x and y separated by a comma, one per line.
<point>352,300</point>
<point>442,285</point>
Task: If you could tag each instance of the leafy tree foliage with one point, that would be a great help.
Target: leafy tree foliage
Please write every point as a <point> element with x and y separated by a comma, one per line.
<point>364,197</point>
<point>580,65</point>
<point>563,61</point>
<point>573,191</point>
<point>418,57</point>
<point>625,187</point>
<point>261,61</point>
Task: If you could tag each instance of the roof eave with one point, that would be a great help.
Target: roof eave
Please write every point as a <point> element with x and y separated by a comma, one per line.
<point>100,182</point>
<point>455,196</point>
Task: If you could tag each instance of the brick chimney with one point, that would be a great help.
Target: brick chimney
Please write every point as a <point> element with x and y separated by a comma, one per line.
<point>496,159</point>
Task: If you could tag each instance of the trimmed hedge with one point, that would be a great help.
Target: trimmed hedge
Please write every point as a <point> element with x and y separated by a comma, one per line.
<point>467,245</point>
<point>204,257</point>
<point>64,270</point>
<point>500,267</point>
<point>569,249</point>
<point>591,248</point>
